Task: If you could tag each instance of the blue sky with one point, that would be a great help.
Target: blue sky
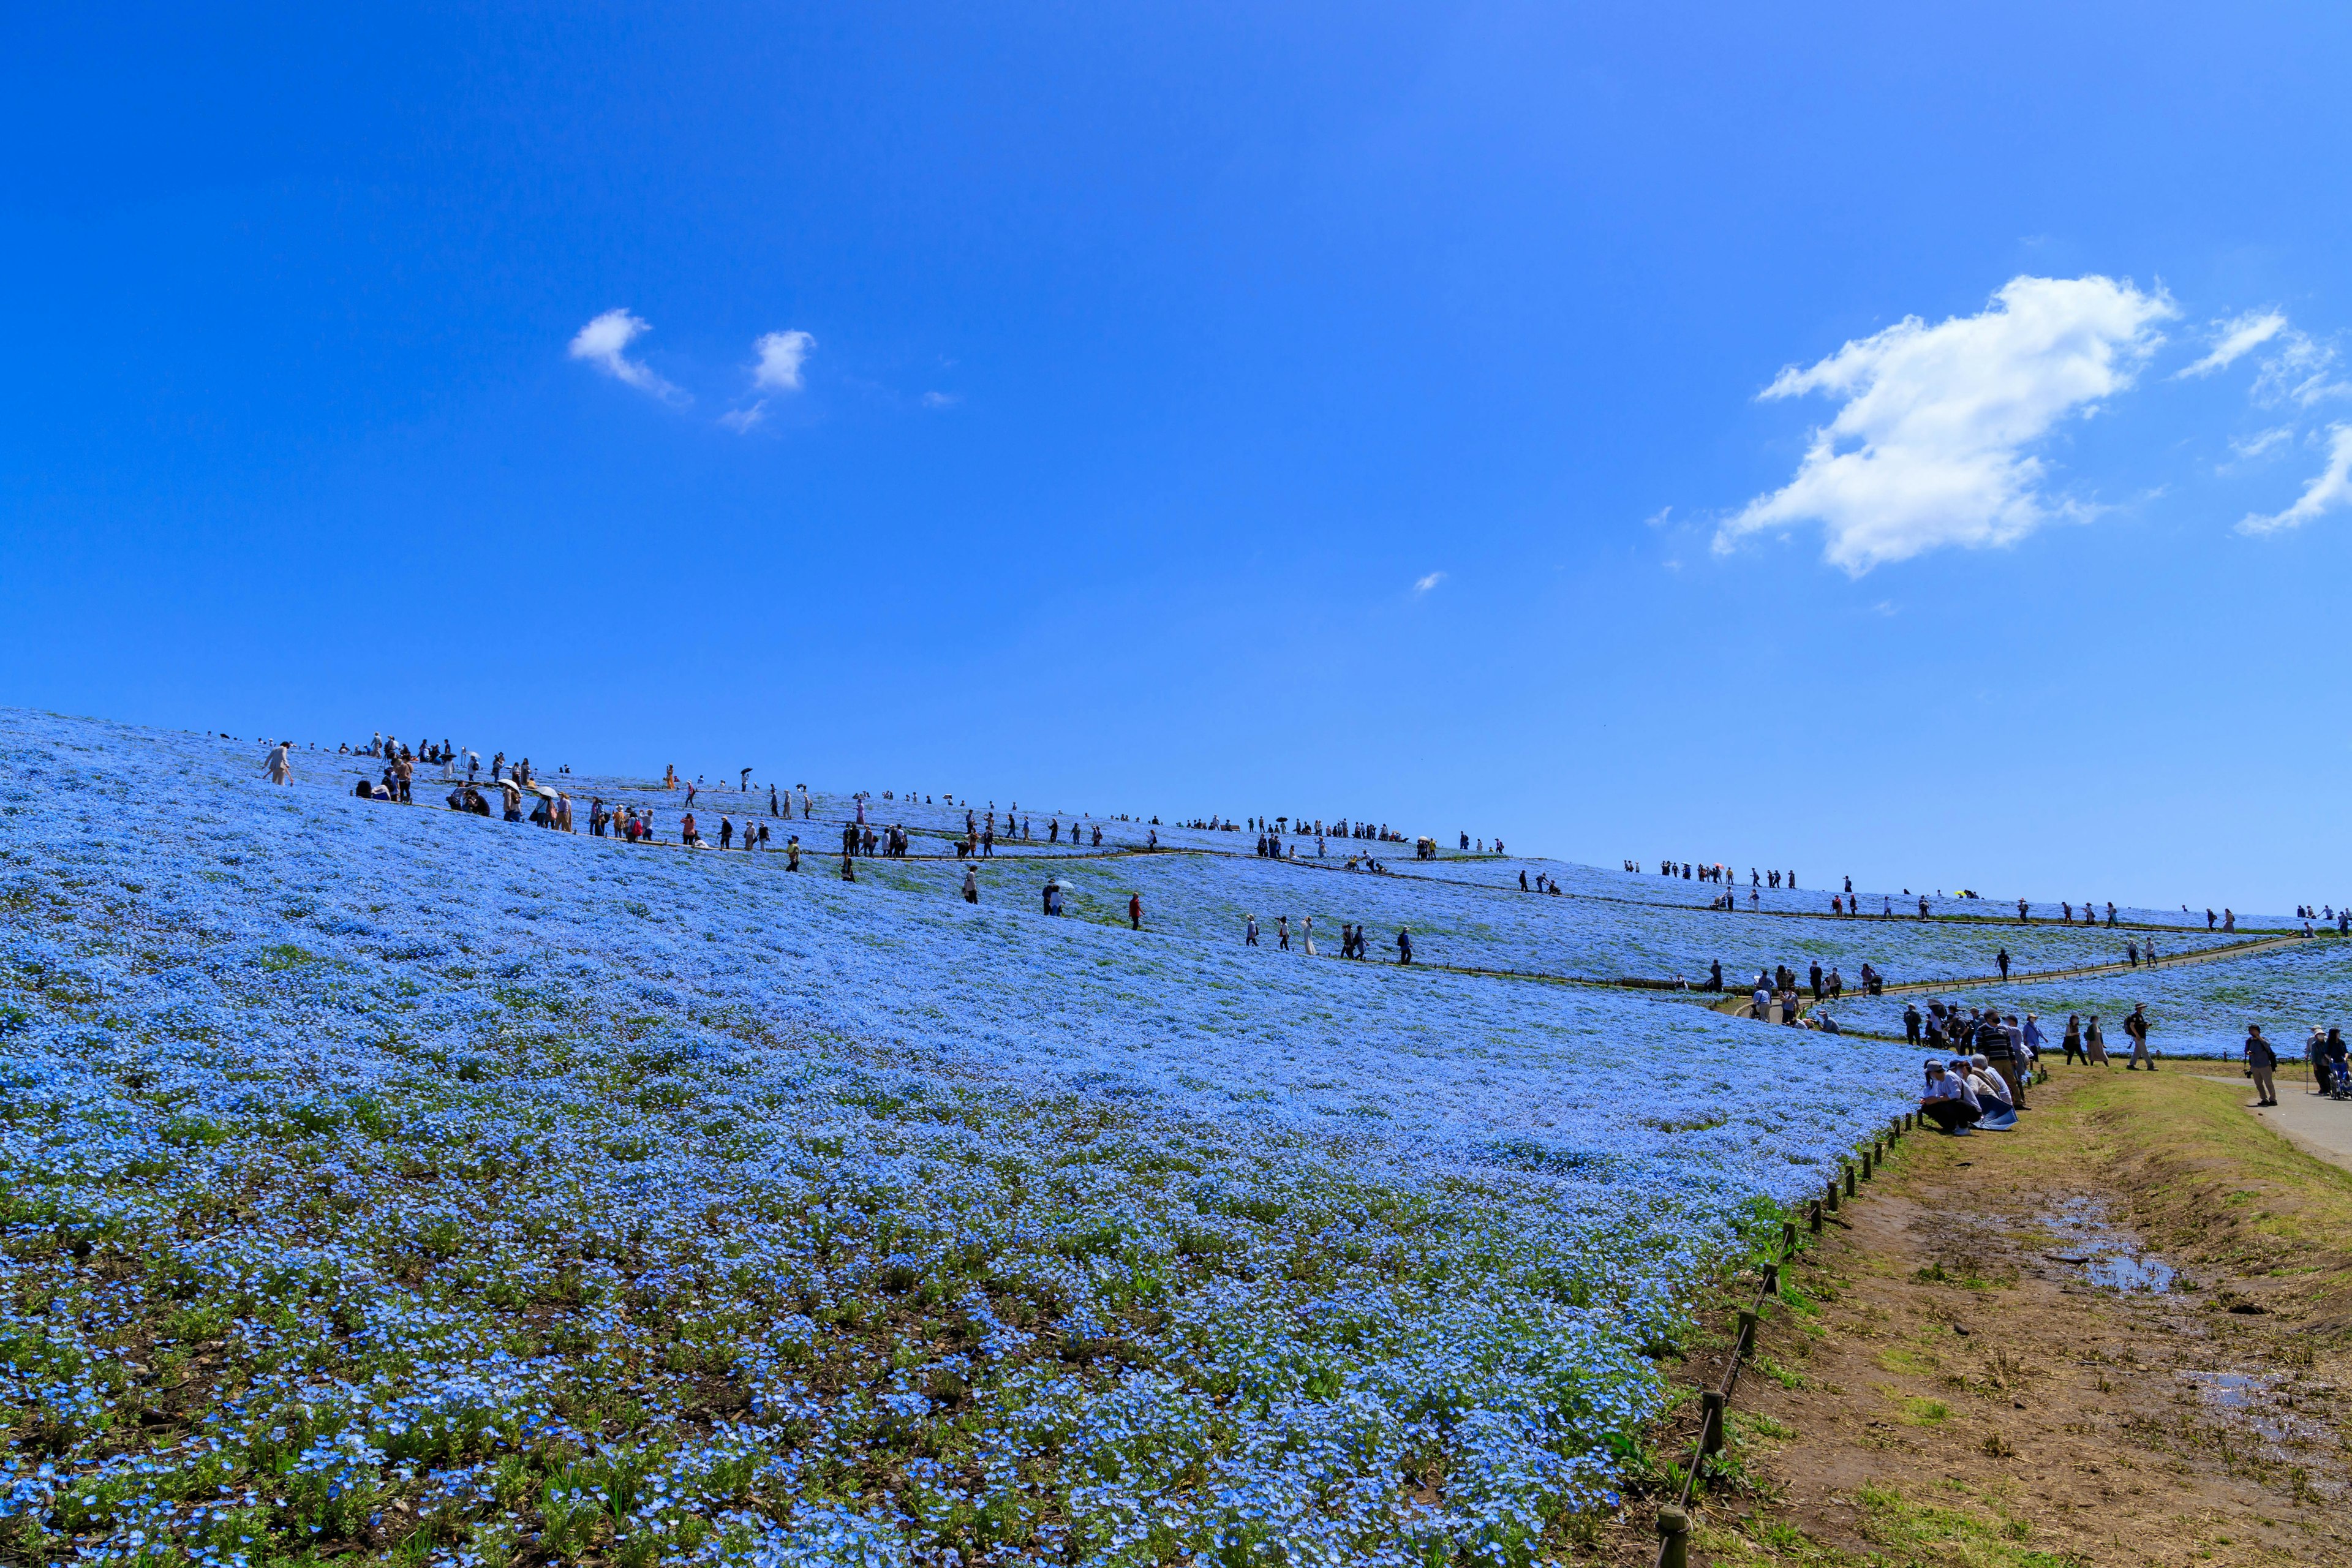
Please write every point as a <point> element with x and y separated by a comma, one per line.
<point>1348,410</point>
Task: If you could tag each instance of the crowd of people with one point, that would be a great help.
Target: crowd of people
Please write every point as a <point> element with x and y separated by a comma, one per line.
<point>1980,1081</point>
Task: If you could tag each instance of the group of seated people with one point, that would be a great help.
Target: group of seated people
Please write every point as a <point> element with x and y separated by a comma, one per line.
<point>1965,1093</point>
<point>467,799</point>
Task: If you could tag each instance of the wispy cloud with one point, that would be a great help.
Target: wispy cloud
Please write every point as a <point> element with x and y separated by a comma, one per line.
<point>781,355</point>
<point>741,419</point>
<point>1931,446</point>
<point>2303,372</point>
<point>940,400</point>
<point>2235,339</point>
<point>1658,518</point>
<point>2256,445</point>
<point>603,341</point>
<point>1425,584</point>
<point>2328,489</point>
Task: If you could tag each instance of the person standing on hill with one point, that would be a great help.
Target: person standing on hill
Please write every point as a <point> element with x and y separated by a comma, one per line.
<point>1249,931</point>
<point>1911,1022</point>
<point>279,763</point>
<point>1135,911</point>
<point>1991,1042</point>
<point>1405,944</point>
<point>971,886</point>
<point>792,853</point>
<point>2001,958</point>
<point>2095,1044</point>
<point>2261,1063</point>
<point>2135,1026</point>
<point>771,800</point>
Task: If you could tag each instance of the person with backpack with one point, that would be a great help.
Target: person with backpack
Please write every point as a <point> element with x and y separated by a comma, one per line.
<point>2135,1026</point>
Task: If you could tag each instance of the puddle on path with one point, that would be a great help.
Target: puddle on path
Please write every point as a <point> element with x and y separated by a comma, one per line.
<point>2287,1418</point>
<point>2108,1255</point>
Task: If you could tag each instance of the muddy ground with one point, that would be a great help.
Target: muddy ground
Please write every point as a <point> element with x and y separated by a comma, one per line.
<point>2102,1338</point>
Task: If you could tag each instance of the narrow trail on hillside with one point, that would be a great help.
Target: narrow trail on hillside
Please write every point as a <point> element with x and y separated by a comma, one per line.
<point>1736,1002</point>
<point>1739,1003</point>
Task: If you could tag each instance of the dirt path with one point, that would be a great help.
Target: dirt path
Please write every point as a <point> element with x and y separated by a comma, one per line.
<point>1974,1370</point>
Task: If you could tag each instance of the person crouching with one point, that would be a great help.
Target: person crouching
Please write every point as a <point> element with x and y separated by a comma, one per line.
<point>1992,1092</point>
<point>1948,1102</point>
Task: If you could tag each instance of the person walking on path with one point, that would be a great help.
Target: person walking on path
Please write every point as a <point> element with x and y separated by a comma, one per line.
<point>2095,1044</point>
<point>2261,1063</point>
<point>1135,911</point>
<point>1405,944</point>
<point>2135,1026</point>
<point>1249,931</point>
<point>2001,958</point>
<point>2033,1038</point>
<point>2073,1042</point>
<point>1282,933</point>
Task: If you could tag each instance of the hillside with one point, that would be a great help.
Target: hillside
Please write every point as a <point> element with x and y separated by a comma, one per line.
<point>379,1174</point>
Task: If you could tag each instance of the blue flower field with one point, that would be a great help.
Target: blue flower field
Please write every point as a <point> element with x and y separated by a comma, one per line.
<point>385,1181</point>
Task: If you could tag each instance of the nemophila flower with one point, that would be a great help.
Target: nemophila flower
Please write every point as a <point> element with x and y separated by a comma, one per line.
<point>445,1156</point>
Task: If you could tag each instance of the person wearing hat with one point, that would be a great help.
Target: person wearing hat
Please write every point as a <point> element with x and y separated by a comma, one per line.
<point>1947,1101</point>
<point>2135,1026</point>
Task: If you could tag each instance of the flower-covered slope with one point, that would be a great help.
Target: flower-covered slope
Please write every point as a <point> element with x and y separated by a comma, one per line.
<point>380,1177</point>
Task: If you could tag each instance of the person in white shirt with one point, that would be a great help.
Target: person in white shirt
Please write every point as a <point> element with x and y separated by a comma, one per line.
<point>1992,1090</point>
<point>1948,1102</point>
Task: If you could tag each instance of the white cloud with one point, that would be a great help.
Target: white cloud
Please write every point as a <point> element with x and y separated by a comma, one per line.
<point>741,419</point>
<point>1427,583</point>
<point>781,355</point>
<point>2232,340</point>
<point>1930,446</point>
<point>940,400</point>
<point>2299,373</point>
<point>2329,488</point>
<point>2256,446</point>
<point>1658,518</point>
<point>601,341</point>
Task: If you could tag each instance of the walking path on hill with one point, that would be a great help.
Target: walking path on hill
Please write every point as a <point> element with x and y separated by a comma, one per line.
<point>1739,1003</point>
<point>2320,1127</point>
<point>1859,920</point>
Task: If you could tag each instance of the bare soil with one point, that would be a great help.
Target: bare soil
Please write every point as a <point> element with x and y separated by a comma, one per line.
<point>1983,1362</point>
